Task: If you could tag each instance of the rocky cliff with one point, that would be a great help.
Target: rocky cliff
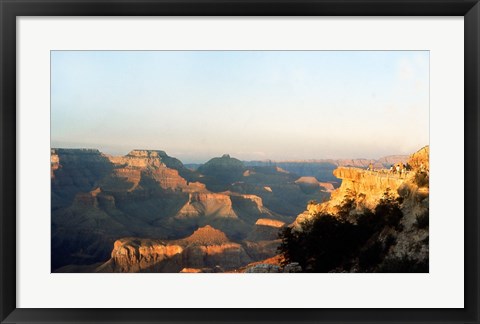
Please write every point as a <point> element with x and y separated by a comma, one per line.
<point>420,159</point>
<point>265,229</point>
<point>210,204</point>
<point>366,187</point>
<point>54,162</point>
<point>398,243</point>
<point>98,198</point>
<point>145,202</point>
<point>206,250</point>
<point>131,167</point>
<point>74,171</point>
<point>322,169</point>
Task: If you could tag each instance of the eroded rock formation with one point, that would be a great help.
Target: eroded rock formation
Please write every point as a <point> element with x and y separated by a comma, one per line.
<point>207,248</point>
<point>366,187</point>
<point>143,203</point>
<point>97,199</point>
<point>211,204</point>
<point>401,242</point>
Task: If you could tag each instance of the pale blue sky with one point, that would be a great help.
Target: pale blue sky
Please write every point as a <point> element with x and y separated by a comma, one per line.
<point>280,105</point>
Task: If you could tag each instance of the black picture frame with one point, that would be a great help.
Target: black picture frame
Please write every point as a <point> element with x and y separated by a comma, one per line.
<point>10,10</point>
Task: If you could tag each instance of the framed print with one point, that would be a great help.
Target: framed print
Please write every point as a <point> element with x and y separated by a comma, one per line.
<point>239,161</point>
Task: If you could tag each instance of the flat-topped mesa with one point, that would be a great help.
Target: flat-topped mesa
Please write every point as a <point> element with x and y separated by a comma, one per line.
<point>311,184</point>
<point>140,159</point>
<point>269,222</point>
<point>308,180</point>
<point>154,162</point>
<point>147,153</point>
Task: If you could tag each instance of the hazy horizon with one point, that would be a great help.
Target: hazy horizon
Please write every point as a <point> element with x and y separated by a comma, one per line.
<point>312,159</point>
<point>253,105</point>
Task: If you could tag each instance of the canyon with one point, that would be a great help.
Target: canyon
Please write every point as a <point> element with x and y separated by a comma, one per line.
<point>148,212</point>
<point>146,194</point>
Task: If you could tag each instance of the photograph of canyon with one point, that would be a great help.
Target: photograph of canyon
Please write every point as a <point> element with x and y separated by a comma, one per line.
<point>239,162</point>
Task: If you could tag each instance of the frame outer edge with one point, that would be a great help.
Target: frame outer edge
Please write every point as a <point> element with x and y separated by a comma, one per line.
<point>8,161</point>
<point>8,15</point>
<point>471,176</point>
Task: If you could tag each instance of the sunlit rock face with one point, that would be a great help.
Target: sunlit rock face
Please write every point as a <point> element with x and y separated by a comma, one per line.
<point>97,199</point>
<point>54,162</point>
<point>420,159</point>
<point>372,184</point>
<point>140,255</point>
<point>413,240</point>
<point>206,248</point>
<point>131,166</point>
<point>407,240</point>
<point>140,159</point>
<point>368,187</point>
<point>269,222</point>
<point>200,204</point>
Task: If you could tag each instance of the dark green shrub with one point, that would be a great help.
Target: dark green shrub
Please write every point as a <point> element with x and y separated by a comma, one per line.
<point>389,241</point>
<point>293,246</point>
<point>370,256</point>
<point>370,222</point>
<point>324,244</point>
<point>421,179</point>
<point>422,220</point>
<point>388,209</point>
<point>403,264</point>
<point>331,243</point>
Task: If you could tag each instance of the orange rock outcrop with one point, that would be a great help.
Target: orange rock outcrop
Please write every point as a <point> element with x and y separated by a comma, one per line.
<point>207,248</point>
<point>269,222</point>
<point>368,187</point>
<point>200,204</point>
